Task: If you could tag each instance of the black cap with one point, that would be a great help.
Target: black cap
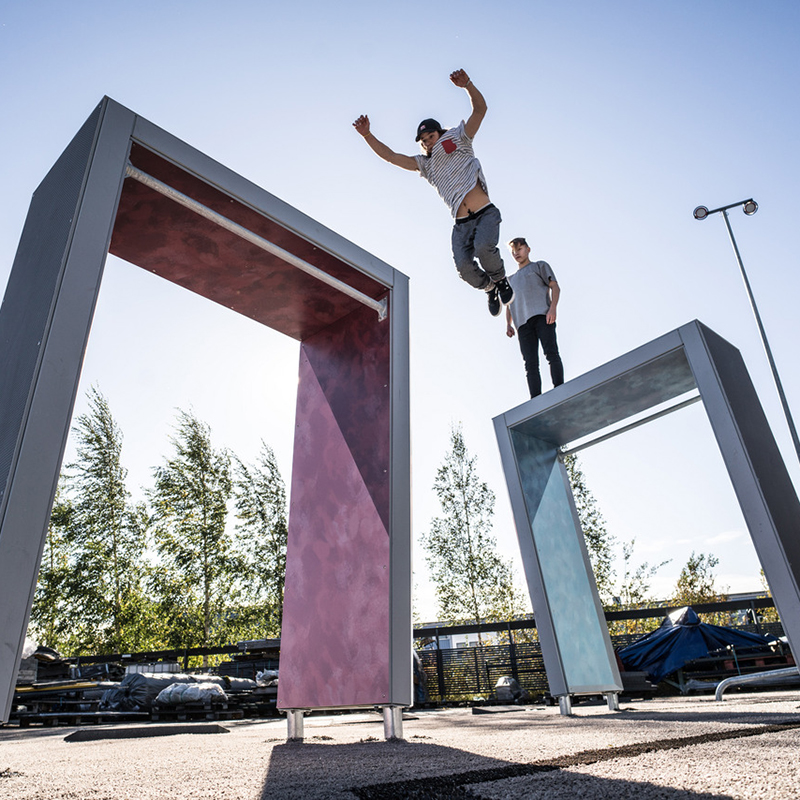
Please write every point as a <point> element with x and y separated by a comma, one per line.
<point>428,125</point>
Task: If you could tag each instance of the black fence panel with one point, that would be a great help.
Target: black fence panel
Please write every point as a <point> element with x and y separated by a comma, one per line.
<point>471,673</point>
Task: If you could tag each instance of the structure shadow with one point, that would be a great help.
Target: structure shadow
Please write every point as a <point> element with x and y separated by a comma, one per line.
<point>559,784</point>
<point>312,771</point>
<point>532,716</point>
<point>384,770</point>
<point>728,716</point>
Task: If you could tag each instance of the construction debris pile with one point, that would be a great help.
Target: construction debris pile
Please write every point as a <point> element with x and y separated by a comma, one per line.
<point>53,690</point>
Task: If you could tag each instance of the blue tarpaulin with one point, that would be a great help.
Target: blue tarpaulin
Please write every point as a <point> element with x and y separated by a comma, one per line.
<point>681,638</point>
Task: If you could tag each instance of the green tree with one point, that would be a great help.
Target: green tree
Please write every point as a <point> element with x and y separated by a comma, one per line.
<point>696,581</point>
<point>767,614</point>
<point>197,578</point>
<point>106,533</point>
<point>634,588</point>
<point>261,537</point>
<point>50,622</point>
<point>472,581</point>
<point>599,542</point>
<point>634,591</point>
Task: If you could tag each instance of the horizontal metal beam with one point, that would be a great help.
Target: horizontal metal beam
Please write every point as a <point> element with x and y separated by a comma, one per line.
<point>229,225</point>
<point>625,428</point>
<point>623,614</point>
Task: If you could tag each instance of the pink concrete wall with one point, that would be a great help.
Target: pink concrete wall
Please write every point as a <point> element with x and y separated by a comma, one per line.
<point>335,634</point>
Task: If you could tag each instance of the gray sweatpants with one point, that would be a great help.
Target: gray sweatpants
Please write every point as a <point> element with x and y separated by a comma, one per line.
<point>477,239</point>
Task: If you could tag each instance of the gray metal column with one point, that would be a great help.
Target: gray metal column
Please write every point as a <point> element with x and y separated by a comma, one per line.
<point>759,476</point>
<point>44,326</point>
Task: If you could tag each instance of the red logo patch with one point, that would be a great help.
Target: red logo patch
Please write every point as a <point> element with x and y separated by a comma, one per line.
<point>449,146</point>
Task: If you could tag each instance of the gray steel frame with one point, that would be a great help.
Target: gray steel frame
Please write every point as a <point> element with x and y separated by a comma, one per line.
<point>693,356</point>
<point>45,320</point>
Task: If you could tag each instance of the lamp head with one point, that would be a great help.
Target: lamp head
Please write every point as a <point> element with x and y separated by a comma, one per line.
<point>701,212</point>
<point>750,207</point>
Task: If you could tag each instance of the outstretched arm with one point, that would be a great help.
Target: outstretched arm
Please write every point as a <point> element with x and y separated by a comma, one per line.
<point>380,149</point>
<point>461,79</point>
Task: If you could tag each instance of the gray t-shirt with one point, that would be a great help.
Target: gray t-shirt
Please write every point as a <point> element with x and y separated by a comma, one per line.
<point>531,285</point>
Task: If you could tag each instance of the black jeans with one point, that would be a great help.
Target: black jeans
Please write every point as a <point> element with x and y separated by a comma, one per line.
<point>537,330</point>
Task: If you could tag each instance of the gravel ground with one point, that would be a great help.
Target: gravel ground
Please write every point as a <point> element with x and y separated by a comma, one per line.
<point>745,747</point>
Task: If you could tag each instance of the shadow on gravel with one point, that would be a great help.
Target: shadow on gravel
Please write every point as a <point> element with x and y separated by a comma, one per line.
<point>561,785</point>
<point>390,770</point>
<point>718,713</point>
<point>141,732</point>
<point>315,771</point>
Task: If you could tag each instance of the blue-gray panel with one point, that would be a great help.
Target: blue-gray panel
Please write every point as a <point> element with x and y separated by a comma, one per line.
<point>620,397</point>
<point>577,617</point>
<point>569,617</point>
<point>32,285</point>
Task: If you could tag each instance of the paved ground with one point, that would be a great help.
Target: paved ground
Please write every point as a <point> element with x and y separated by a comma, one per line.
<point>744,747</point>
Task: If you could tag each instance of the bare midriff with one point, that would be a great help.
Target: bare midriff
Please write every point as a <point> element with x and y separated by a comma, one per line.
<point>475,200</point>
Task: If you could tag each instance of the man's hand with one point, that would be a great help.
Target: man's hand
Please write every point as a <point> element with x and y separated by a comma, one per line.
<point>362,125</point>
<point>476,99</point>
<point>510,332</point>
<point>380,149</point>
<point>460,78</point>
<point>551,316</point>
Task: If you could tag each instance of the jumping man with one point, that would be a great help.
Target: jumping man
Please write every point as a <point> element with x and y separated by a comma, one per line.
<point>449,164</point>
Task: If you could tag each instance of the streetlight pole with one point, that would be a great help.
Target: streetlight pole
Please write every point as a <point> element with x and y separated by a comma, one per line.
<point>750,207</point>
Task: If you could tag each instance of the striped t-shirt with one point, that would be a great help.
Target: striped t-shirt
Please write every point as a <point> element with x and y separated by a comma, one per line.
<point>452,168</point>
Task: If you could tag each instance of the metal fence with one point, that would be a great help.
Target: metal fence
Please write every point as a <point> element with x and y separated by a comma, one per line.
<point>465,673</point>
<point>469,673</point>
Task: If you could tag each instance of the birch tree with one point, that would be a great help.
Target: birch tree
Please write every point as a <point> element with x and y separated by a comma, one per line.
<point>199,564</point>
<point>473,582</point>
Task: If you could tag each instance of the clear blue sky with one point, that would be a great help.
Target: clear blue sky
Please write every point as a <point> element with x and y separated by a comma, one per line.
<point>608,123</point>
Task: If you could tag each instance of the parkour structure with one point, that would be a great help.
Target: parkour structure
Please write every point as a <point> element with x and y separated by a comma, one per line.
<point>127,187</point>
<point>534,437</point>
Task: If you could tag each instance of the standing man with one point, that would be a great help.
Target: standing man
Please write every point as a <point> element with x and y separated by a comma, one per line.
<point>536,293</point>
<point>449,164</point>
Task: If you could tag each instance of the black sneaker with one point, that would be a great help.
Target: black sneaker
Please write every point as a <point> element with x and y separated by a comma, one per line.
<point>505,291</point>
<point>494,301</point>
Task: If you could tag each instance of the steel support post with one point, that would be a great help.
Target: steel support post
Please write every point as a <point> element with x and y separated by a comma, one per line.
<point>294,723</point>
<point>392,722</point>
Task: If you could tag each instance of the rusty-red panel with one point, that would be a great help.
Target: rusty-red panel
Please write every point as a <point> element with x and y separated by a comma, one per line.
<point>351,362</point>
<point>334,635</point>
<point>160,235</point>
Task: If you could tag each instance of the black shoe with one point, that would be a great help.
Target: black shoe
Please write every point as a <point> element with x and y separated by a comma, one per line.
<point>505,291</point>
<point>494,301</point>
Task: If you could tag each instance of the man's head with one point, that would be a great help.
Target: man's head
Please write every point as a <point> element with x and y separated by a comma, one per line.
<point>520,251</point>
<point>428,133</point>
